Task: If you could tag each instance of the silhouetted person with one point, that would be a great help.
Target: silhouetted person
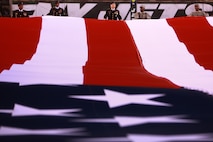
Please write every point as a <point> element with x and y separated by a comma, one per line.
<point>20,12</point>
<point>56,10</point>
<point>112,13</point>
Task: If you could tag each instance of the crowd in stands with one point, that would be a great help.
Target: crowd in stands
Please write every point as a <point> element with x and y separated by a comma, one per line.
<point>111,13</point>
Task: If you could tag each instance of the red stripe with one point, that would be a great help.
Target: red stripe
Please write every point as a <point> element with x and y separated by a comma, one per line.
<point>19,39</point>
<point>196,34</point>
<point>113,57</point>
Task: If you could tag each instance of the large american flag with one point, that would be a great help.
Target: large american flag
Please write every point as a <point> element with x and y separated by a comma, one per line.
<point>84,80</point>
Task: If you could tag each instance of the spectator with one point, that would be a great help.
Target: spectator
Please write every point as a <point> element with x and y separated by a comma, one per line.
<point>20,12</point>
<point>142,14</point>
<point>112,13</point>
<point>198,12</point>
<point>56,10</point>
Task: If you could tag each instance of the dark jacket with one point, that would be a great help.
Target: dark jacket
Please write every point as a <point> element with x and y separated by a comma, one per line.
<point>20,13</point>
<point>56,12</point>
<point>112,15</point>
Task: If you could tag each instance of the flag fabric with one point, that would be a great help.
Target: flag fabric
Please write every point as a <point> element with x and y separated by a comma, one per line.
<point>85,80</point>
<point>168,53</point>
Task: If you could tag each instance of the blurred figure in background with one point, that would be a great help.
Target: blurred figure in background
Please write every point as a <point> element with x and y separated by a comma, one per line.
<point>198,12</point>
<point>112,13</point>
<point>142,14</point>
<point>56,10</point>
<point>20,12</point>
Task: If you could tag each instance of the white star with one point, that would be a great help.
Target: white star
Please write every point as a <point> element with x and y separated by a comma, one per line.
<point>116,99</point>
<point>169,138</point>
<point>131,121</point>
<point>20,110</point>
<point>8,131</point>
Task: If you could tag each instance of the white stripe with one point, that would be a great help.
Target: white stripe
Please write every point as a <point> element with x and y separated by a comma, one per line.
<point>210,20</point>
<point>60,55</point>
<point>163,55</point>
